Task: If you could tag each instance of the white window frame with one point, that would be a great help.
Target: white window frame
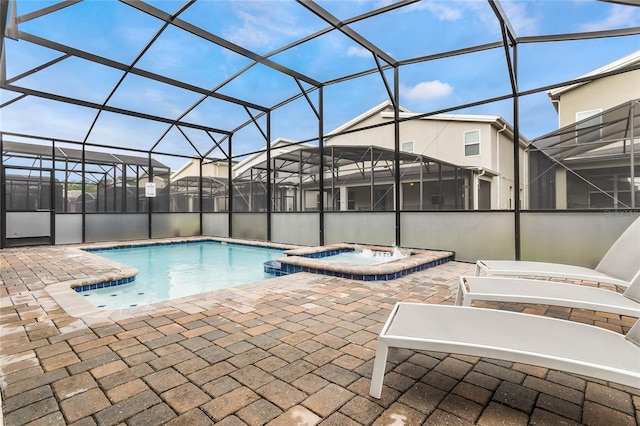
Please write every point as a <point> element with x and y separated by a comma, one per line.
<point>405,144</point>
<point>465,143</point>
<point>581,115</point>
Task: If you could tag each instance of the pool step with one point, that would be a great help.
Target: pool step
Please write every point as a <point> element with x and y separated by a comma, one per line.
<point>273,267</point>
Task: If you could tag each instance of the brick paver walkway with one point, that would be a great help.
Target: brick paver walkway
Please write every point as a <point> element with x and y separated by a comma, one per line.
<point>295,350</point>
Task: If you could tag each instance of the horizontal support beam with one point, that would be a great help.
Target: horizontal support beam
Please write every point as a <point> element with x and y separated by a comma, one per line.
<point>122,111</point>
<point>133,70</point>
<point>159,14</point>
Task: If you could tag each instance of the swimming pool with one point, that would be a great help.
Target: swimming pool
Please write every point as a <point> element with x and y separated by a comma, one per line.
<point>170,271</point>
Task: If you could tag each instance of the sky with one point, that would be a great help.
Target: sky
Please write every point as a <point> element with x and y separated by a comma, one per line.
<point>120,33</point>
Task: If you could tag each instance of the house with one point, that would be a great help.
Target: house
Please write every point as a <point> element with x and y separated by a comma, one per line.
<point>577,102</point>
<point>480,143</point>
<point>592,161</point>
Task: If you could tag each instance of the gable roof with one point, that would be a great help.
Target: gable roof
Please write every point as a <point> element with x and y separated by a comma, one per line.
<point>631,59</point>
<point>385,109</point>
<point>373,111</point>
<point>496,121</point>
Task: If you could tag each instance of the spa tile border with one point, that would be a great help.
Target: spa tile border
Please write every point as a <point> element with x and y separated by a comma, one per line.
<point>309,259</point>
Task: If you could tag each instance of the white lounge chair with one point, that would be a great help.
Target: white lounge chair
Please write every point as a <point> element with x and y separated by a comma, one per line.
<point>619,265</point>
<point>530,339</point>
<point>518,290</point>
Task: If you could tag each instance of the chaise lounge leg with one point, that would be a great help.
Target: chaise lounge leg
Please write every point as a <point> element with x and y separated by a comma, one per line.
<point>459,294</point>
<point>379,366</point>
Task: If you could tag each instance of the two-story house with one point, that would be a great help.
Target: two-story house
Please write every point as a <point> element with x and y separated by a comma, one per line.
<point>447,162</point>
<point>593,160</point>
<point>482,144</point>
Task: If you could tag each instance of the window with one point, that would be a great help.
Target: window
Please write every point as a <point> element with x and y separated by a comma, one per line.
<point>383,198</point>
<point>407,146</point>
<point>602,189</point>
<point>472,143</point>
<point>351,200</point>
<point>581,115</point>
<point>609,191</point>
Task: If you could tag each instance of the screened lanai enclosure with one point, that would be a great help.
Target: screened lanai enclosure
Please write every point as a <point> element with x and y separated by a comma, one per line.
<point>127,120</point>
<point>358,179</point>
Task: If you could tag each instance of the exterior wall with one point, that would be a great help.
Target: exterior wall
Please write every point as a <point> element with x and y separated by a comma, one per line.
<point>561,188</point>
<point>445,141</point>
<point>505,181</point>
<point>572,192</point>
<point>600,94</point>
<point>379,136</point>
<point>442,140</point>
<point>215,170</point>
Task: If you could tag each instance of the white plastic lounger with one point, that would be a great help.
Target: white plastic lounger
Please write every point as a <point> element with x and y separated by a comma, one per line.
<point>518,290</point>
<point>618,266</point>
<point>536,340</point>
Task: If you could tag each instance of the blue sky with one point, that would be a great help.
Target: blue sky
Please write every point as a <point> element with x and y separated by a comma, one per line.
<point>119,32</point>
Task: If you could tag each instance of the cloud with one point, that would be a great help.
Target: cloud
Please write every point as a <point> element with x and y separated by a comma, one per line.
<point>425,91</point>
<point>359,52</point>
<point>520,18</point>
<point>262,26</point>
<point>441,10</point>
<point>618,17</point>
<point>477,12</point>
<point>34,116</point>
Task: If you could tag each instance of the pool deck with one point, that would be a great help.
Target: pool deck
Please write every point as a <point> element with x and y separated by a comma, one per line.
<point>292,350</point>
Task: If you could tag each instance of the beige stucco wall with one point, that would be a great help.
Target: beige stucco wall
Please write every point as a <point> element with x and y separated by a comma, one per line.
<point>442,140</point>
<point>215,170</point>
<point>208,169</point>
<point>600,94</point>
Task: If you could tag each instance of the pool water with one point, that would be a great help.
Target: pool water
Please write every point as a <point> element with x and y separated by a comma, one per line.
<point>365,257</point>
<point>170,271</point>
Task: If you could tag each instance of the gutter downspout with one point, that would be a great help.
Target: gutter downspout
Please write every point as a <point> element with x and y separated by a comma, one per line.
<point>504,127</point>
<point>477,187</point>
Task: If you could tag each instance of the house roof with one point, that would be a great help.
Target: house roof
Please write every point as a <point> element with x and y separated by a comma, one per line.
<point>485,118</point>
<point>631,59</point>
<point>385,109</point>
<point>90,157</point>
<point>495,120</point>
<point>380,108</point>
<point>280,145</point>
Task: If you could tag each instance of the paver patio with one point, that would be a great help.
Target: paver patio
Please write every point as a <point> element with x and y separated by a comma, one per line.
<point>293,350</point>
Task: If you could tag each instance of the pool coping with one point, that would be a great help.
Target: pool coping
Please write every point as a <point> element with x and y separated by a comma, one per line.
<point>70,300</point>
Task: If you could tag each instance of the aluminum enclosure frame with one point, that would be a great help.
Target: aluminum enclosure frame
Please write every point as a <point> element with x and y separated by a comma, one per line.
<point>10,23</point>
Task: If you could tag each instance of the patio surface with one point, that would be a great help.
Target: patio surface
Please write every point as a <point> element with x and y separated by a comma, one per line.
<point>293,350</point>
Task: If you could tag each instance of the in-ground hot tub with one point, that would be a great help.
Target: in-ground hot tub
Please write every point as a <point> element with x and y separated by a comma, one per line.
<point>388,262</point>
